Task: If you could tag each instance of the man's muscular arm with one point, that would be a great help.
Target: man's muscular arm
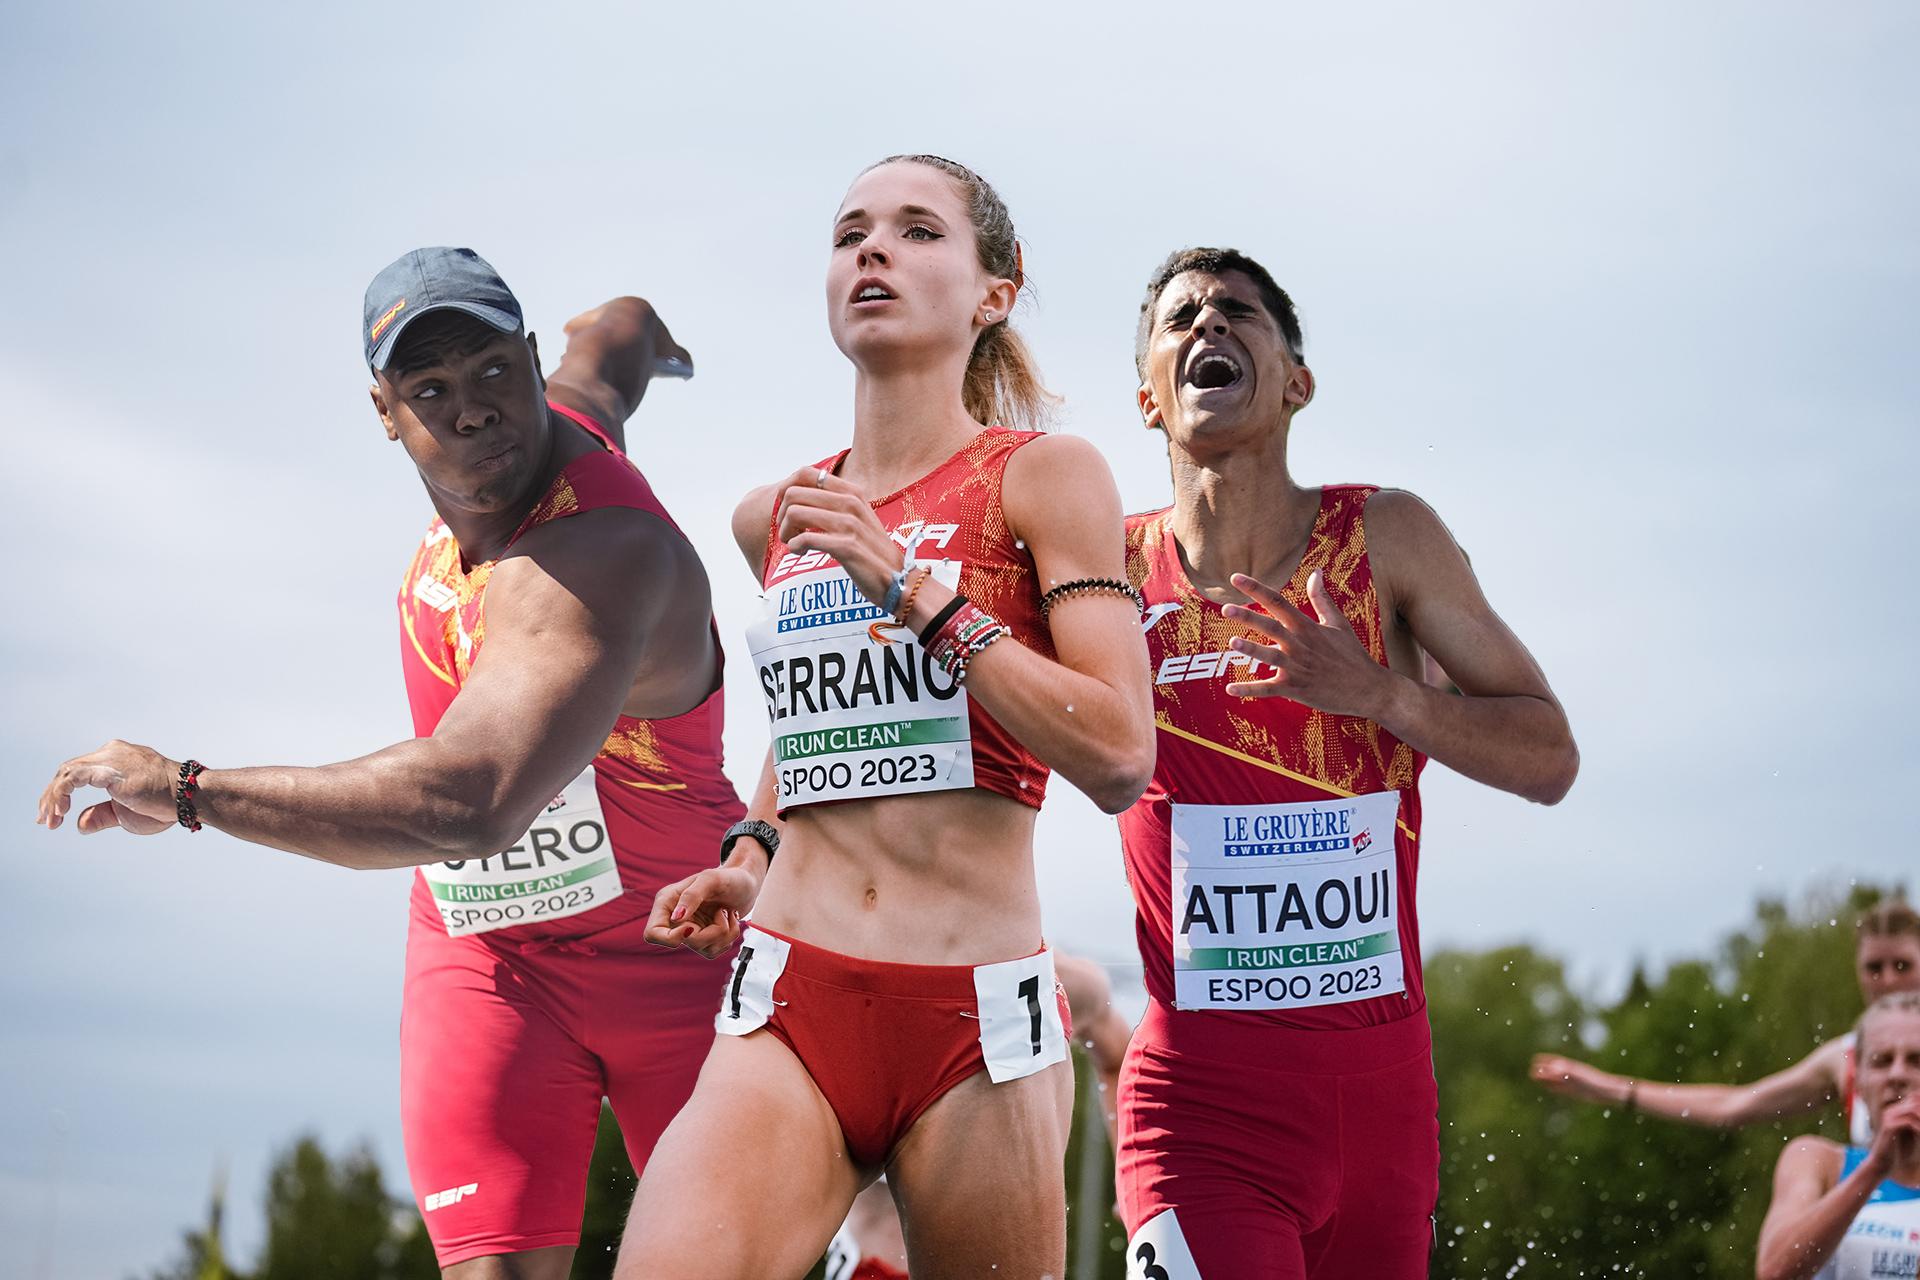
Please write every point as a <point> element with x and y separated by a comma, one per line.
<point>1505,728</point>
<point>609,360</point>
<point>565,636</point>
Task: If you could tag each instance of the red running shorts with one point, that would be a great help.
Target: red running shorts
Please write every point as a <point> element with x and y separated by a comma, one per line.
<point>1250,1152</point>
<point>883,1041</point>
<point>505,1052</point>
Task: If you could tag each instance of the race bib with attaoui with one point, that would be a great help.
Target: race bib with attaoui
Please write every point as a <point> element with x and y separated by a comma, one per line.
<point>859,709</point>
<point>562,866</point>
<point>1285,906</point>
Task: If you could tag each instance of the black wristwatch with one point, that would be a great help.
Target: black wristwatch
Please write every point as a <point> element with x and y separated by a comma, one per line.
<point>761,831</point>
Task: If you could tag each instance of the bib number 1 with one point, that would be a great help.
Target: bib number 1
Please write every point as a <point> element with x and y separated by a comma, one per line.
<point>1021,1030</point>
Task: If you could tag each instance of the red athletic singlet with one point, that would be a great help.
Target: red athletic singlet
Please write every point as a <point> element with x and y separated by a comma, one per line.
<point>656,800</point>
<point>1273,858</point>
<point>858,708</point>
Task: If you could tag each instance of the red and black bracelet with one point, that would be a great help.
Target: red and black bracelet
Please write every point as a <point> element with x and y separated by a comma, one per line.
<point>185,790</point>
<point>961,631</point>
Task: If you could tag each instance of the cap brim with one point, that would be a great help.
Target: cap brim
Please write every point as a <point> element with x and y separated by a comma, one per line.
<point>504,321</point>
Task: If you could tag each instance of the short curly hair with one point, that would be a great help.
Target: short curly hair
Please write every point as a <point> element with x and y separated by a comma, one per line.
<point>1216,262</point>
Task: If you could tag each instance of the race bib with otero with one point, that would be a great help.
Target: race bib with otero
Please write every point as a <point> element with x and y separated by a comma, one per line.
<point>563,866</point>
<point>1285,906</point>
<point>858,707</point>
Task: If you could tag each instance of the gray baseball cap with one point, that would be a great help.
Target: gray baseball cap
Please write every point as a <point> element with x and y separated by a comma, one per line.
<point>428,280</point>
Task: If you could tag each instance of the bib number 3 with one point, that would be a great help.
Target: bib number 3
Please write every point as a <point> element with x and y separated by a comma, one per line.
<point>1158,1251</point>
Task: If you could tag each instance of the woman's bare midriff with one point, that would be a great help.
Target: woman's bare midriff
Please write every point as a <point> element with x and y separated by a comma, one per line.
<point>945,878</point>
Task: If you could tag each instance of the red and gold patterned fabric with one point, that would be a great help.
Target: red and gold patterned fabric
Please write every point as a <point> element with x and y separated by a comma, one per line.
<point>1213,749</point>
<point>955,511</point>
<point>660,782</point>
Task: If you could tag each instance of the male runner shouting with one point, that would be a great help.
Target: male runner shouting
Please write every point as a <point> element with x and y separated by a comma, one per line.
<point>565,682</point>
<point>1277,1109</point>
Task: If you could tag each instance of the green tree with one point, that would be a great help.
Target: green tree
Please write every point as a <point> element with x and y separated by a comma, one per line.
<point>1564,1189</point>
<point>1491,1011</point>
<point>326,1220</point>
<point>204,1253</point>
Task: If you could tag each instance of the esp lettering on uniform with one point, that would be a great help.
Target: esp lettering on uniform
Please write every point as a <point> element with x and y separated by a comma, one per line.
<point>1176,667</point>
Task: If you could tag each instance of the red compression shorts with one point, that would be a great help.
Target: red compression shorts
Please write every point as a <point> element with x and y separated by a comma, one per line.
<point>882,1041</point>
<point>505,1052</point>
<point>1262,1153</point>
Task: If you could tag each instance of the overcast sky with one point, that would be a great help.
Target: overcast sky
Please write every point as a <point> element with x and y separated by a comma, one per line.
<point>1624,291</point>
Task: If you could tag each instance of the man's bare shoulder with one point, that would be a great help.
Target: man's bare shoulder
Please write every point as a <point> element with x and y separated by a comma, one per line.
<point>1403,521</point>
<point>599,555</point>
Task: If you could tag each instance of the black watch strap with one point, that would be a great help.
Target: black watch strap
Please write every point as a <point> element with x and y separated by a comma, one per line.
<point>761,831</point>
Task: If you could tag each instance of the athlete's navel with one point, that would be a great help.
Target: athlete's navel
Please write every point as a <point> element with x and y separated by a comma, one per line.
<point>873,897</point>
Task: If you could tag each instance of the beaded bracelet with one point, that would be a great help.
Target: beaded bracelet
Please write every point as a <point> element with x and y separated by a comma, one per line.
<point>975,648</point>
<point>1092,586</point>
<point>962,633</point>
<point>184,791</point>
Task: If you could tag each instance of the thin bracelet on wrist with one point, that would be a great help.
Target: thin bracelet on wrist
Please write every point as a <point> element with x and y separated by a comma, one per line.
<point>906,603</point>
<point>895,585</point>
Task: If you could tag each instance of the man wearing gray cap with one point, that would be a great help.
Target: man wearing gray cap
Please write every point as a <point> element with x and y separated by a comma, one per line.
<point>564,675</point>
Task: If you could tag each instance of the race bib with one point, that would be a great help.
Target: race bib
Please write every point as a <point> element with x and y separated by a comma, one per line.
<point>1285,906</point>
<point>843,1255</point>
<point>1020,1027</point>
<point>563,866</point>
<point>858,707</point>
<point>748,1000</point>
<point>1158,1250</point>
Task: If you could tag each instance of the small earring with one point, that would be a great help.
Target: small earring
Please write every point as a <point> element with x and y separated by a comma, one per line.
<point>989,317</point>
